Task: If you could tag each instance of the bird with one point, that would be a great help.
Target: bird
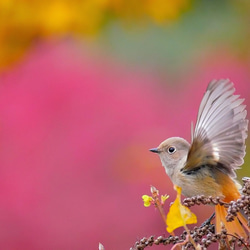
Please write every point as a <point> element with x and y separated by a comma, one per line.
<point>207,165</point>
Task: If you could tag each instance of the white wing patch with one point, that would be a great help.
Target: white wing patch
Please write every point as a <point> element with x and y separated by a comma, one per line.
<point>216,152</point>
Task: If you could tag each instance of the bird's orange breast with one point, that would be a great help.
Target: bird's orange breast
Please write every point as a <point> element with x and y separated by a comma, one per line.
<point>228,186</point>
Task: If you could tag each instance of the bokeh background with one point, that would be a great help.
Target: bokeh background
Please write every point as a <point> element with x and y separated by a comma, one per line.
<point>86,88</point>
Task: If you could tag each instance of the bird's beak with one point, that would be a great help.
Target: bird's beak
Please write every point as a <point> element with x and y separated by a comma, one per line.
<point>154,150</point>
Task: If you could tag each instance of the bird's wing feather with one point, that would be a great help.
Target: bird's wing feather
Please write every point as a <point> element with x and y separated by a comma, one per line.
<point>220,130</point>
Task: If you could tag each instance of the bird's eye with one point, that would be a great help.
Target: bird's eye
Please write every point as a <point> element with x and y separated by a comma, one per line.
<point>171,150</point>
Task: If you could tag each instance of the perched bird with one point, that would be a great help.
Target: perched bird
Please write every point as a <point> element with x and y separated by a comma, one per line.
<point>207,166</point>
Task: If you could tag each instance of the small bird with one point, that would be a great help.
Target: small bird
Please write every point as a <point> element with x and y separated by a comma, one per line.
<point>207,165</point>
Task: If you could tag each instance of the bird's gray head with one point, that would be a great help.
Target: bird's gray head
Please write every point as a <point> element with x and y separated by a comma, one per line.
<point>173,154</point>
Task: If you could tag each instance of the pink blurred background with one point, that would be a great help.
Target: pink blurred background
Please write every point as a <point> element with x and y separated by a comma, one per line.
<point>78,115</point>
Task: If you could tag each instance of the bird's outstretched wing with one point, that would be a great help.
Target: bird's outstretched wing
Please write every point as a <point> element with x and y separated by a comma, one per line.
<point>220,130</point>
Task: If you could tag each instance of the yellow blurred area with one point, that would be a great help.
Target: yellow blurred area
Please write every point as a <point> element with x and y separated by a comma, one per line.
<point>162,11</point>
<point>158,11</point>
<point>24,21</point>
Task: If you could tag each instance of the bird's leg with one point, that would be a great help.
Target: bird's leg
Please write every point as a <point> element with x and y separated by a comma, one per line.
<point>208,221</point>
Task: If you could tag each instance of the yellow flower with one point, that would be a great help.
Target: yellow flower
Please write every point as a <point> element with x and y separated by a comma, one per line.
<point>164,198</point>
<point>178,214</point>
<point>147,200</point>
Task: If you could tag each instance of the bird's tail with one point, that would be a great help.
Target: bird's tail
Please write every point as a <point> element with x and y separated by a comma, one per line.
<point>237,227</point>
